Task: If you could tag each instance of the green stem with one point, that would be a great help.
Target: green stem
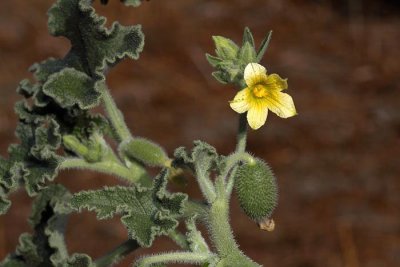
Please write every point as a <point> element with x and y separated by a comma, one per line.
<point>242,133</point>
<point>115,115</point>
<point>109,167</point>
<point>193,207</point>
<point>240,147</point>
<point>205,184</point>
<point>174,257</point>
<point>234,159</point>
<point>222,235</point>
<point>179,239</point>
<point>117,253</point>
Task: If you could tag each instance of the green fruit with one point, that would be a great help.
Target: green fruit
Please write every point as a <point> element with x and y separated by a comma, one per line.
<point>257,190</point>
<point>146,152</point>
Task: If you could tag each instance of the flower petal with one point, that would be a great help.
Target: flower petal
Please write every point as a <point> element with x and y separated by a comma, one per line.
<point>275,82</point>
<point>240,103</point>
<point>256,116</point>
<point>281,104</point>
<point>254,73</point>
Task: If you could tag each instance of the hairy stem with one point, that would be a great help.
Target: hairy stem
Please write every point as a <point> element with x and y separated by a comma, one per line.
<point>132,175</point>
<point>221,233</point>
<point>117,253</point>
<point>115,115</point>
<point>174,257</point>
<point>195,207</point>
<point>206,186</point>
<point>179,239</point>
<point>242,133</point>
<point>240,147</point>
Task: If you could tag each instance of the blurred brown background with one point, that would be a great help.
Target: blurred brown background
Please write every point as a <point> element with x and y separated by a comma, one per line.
<point>337,162</point>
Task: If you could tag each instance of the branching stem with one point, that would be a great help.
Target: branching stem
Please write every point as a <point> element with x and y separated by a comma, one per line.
<point>174,257</point>
<point>117,253</point>
<point>115,115</point>
<point>206,186</point>
<point>108,167</point>
<point>240,147</point>
<point>221,232</point>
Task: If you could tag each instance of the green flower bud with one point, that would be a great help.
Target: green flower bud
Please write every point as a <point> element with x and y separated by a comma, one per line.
<point>146,152</point>
<point>225,48</point>
<point>257,190</point>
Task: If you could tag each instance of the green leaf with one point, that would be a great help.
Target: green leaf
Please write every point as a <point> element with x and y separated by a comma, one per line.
<point>4,202</point>
<point>93,45</point>
<point>203,157</point>
<point>195,238</point>
<point>12,262</point>
<point>39,166</point>
<point>80,260</point>
<point>264,46</point>
<point>46,246</point>
<point>47,140</point>
<point>27,89</point>
<point>248,37</point>
<point>146,212</point>
<point>70,87</point>
<point>28,249</point>
<point>75,79</point>
<point>134,3</point>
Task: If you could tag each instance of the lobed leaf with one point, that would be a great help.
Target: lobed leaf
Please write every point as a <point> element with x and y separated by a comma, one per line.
<point>195,238</point>
<point>203,157</point>
<point>146,212</point>
<point>70,87</point>
<point>46,246</point>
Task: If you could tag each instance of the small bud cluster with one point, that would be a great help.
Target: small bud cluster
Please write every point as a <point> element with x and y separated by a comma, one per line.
<point>231,59</point>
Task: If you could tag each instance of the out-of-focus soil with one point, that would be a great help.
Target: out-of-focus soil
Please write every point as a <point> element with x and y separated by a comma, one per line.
<point>337,162</point>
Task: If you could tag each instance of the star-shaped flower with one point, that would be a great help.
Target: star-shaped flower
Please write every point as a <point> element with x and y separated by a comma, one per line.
<point>263,93</point>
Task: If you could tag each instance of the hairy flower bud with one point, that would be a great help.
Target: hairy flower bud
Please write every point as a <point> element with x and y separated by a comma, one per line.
<point>257,190</point>
<point>146,152</point>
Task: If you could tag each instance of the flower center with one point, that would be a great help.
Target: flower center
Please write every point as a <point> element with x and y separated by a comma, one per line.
<point>260,91</point>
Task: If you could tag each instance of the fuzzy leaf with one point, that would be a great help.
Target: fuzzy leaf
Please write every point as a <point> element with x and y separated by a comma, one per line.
<point>76,78</point>
<point>27,89</point>
<point>79,260</point>
<point>46,246</point>
<point>4,202</point>
<point>147,212</point>
<point>93,45</point>
<point>39,166</point>
<point>69,87</point>
<point>195,238</point>
<point>12,262</point>
<point>47,140</point>
<point>134,3</point>
<point>203,157</point>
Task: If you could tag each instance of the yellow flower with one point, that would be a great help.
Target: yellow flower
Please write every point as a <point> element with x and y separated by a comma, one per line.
<point>263,93</point>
